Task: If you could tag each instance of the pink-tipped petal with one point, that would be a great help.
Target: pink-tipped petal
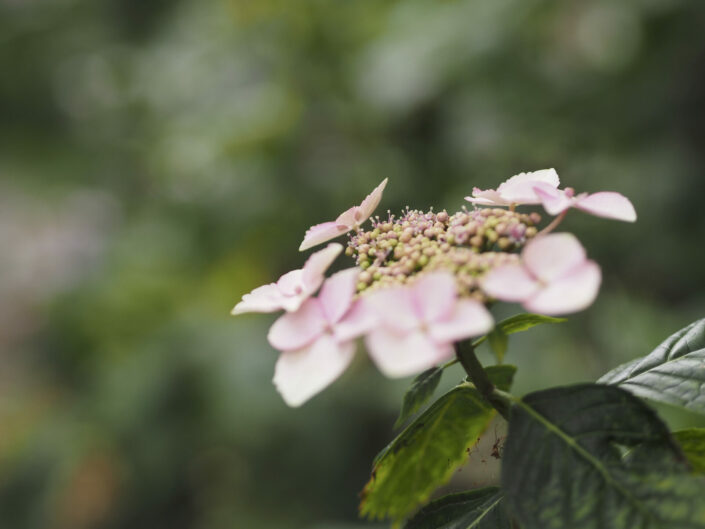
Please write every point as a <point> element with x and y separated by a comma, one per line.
<point>608,204</point>
<point>572,293</point>
<point>470,318</point>
<point>488,197</point>
<point>554,201</point>
<point>321,233</point>
<point>295,330</point>
<point>300,374</point>
<point>371,202</point>
<point>316,265</point>
<point>434,296</point>
<point>337,294</point>
<point>359,320</point>
<point>395,308</point>
<point>348,218</point>
<point>509,283</point>
<point>266,298</point>
<point>549,257</point>
<point>400,355</point>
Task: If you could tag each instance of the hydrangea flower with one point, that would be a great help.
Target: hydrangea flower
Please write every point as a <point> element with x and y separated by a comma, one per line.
<point>519,189</point>
<point>554,277</point>
<point>346,221</point>
<point>420,322</point>
<point>317,341</point>
<point>293,288</point>
<point>606,204</point>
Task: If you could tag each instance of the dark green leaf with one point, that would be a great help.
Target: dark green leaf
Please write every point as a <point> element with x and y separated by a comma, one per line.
<point>421,390</point>
<point>425,455</point>
<point>673,373</point>
<point>476,509</point>
<point>498,341</point>
<point>692,442</point>
<point>564,465</point>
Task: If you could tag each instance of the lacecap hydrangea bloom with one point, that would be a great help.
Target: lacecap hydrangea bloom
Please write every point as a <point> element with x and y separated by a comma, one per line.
<point>423,281</point>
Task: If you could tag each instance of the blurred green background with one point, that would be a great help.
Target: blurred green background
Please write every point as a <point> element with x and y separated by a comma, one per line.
<point>160,158</point>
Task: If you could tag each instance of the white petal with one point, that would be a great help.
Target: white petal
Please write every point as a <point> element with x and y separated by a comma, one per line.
<point>399,355</point>
<point>571,293</point>
<point>300,374</point>
<point>549,257</point>
<point>295,330</point>
<point>470,318</point>
<point>519,189</point>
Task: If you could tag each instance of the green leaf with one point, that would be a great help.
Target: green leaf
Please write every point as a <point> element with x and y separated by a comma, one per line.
<point>673,373</point>
<point>692,442</point>
<point>475,509</point>
<point>425,454</point>
<point>498,341</point>
<point>564,465</point>
<point>518,323</point>
<point>421,390</point>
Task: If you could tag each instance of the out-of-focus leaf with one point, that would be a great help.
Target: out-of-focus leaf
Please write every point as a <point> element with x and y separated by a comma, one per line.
<point>498,341</point>
<point>673,373</point>
<point>563,464</point>
<point>692,442</point>
<point>421,390</point>
<point>518,323</point>
<point>425,455</point>
<point>476,509</point>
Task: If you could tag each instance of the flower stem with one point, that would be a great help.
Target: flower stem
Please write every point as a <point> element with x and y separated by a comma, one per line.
<point>554,224</point>
<point>465,351</point>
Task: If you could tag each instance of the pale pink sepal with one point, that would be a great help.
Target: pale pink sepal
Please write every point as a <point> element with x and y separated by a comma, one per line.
<point>400,355</point>
<point>555,277</point>
<point>519,189</point>
<point>293,288</point>
<point>346,221</point>
<point>606,204</point>
<point>301,374</point>
<point>295,330</point>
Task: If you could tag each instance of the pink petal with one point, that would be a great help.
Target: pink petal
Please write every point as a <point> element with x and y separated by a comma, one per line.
<point>321,233</point>
<point>470,318</point>
<point>371,202</point>
<point>554,201</point>
<point>337,293</point>
<point>266,298</point>
<point>509,283</point>
<point>295,330</point>
<point>434,296</point>
<point>359,320</point>
<point>348,218</point>
<point>291,283</point>
<point>300,374</point>
<point>395,308</point>
<point>399,355</point>
<point>608,204</point>
<point>316,265</point>
<point>572,293</point>
<point>549,257</point>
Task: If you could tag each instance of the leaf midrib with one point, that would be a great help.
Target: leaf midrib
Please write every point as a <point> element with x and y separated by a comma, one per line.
<point>572,443</point>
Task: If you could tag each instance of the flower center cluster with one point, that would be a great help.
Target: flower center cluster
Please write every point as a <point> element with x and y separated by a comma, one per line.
<point>468,244</point>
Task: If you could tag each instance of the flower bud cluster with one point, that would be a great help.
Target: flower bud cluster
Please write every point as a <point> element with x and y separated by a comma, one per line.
<point>468,244</point>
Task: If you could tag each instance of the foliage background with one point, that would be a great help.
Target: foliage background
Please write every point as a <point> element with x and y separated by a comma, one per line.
<point>160,158</point>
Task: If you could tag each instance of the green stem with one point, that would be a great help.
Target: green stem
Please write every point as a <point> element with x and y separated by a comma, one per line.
<point>465,351</point>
